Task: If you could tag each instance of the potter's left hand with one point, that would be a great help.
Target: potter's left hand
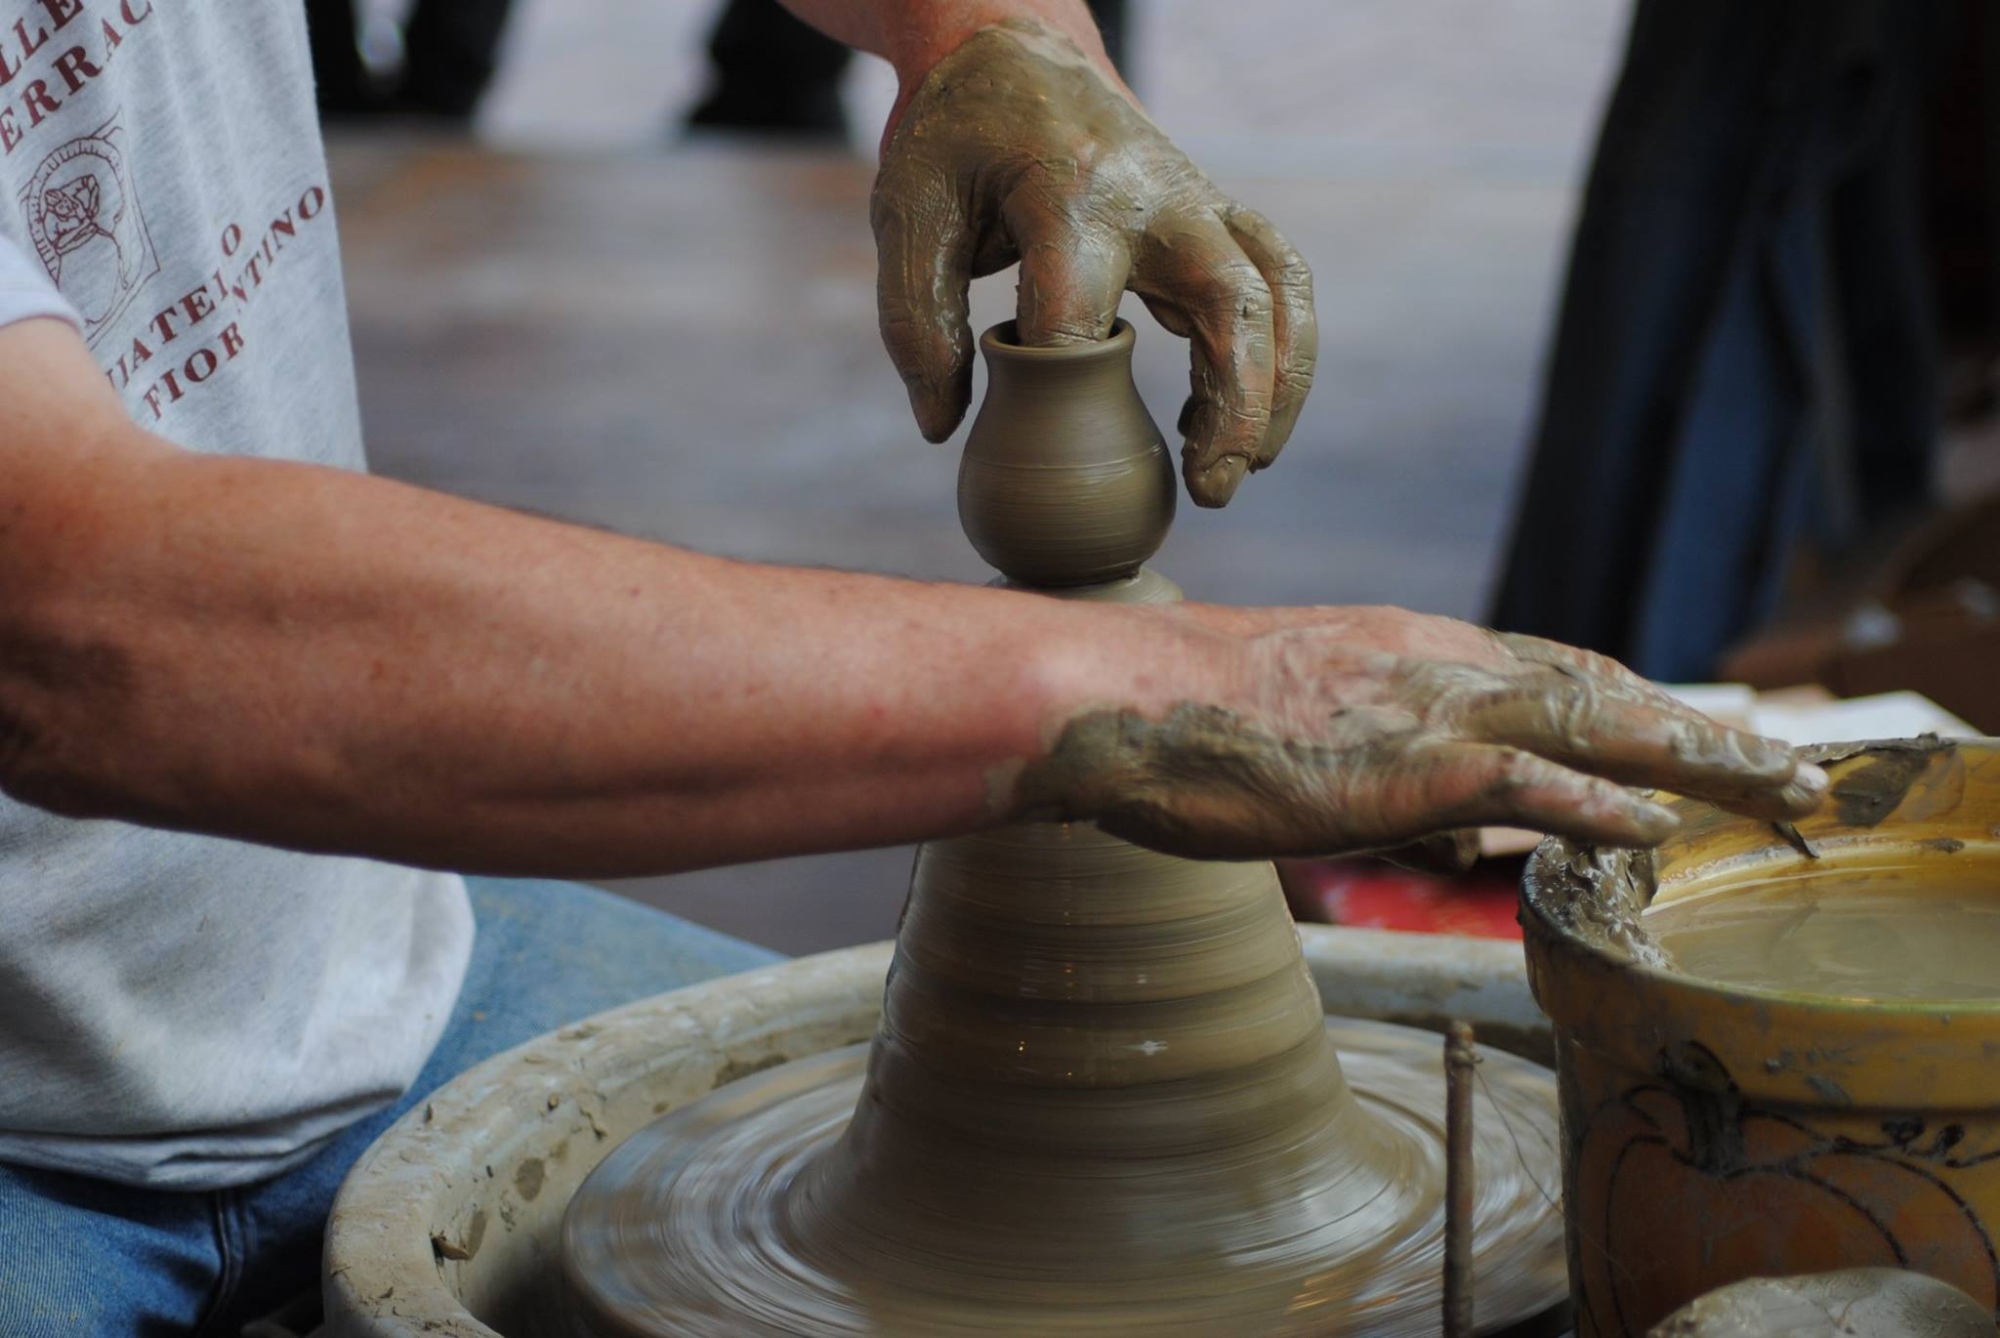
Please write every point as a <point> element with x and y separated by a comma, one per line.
<point>1018,145</point>
<point>1314,731</point>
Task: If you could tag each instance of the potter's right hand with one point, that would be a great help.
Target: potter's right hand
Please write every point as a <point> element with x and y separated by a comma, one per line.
<point>1266,732</point>
<point>1017,145</point>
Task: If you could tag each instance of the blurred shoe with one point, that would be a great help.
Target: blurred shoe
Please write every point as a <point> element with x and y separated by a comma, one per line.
<point>774,76</point>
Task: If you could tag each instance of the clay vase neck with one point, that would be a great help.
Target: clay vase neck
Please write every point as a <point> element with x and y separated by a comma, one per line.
<point>1065,479</point>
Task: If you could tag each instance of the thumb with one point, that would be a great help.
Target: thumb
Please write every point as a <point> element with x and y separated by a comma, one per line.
<point>923,252</point>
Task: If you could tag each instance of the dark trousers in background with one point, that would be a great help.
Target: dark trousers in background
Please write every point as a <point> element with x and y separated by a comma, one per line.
<point>772,72</point>
<point>1745,362</point>
<point>450,49</point>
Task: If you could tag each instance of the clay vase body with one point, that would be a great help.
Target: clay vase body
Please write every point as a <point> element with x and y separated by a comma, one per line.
<point>1065,479</point>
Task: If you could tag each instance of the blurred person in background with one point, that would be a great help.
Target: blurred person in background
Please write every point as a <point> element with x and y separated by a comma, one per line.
<point>771,73</point>
<point>1744,383</point>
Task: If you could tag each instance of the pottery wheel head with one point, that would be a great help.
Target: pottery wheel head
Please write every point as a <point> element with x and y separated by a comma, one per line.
<point>737,1216</point>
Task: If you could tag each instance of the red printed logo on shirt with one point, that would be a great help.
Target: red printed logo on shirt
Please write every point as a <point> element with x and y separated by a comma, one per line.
<point>86,226</point>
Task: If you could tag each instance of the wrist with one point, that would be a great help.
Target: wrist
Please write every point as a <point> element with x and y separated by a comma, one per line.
<point>1119,662</point>
<point>932,29</point>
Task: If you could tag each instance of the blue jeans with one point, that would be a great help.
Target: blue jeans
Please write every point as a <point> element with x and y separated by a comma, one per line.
<point>86,1257</point>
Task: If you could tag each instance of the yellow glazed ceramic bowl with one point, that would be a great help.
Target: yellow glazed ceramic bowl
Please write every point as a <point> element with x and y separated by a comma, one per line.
<point>1716,1132</point>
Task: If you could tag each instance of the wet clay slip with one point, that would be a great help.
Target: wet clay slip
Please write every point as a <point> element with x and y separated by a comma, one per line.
<point>1888,931</point>
<point>1775,1043</point>
<point>1102,1097</point>
<point>1851,1303</point>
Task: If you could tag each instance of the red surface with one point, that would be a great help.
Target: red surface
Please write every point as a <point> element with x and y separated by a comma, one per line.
<point>1373,895</point>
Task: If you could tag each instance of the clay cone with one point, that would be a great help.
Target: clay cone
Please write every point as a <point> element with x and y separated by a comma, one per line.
<point>1101,1074</point>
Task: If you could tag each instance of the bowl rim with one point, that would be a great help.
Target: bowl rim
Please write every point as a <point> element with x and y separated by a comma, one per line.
<point>1774,1041</point>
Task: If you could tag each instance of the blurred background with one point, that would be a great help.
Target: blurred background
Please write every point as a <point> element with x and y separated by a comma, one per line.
<point>567,299</point>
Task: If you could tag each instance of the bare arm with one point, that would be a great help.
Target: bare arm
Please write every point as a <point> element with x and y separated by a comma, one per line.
<point>331,661</point>
<point>914,35</point>
<point>334,662</point>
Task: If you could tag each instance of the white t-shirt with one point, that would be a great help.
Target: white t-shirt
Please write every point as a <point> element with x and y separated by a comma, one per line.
<point>176,1010</point>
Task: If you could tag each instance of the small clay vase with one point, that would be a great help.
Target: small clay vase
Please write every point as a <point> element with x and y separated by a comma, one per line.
<point>1065,480</point>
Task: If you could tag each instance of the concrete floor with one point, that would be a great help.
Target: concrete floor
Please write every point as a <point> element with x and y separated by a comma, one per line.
<point>572,316</point>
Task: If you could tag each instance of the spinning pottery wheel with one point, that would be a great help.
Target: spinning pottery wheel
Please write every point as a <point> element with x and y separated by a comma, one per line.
<point>1103,1097</point>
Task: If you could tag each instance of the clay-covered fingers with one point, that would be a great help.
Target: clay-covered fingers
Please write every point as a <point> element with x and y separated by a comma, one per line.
<point>1773,789</point>
<point>924,252</point>
<point>1593,726</point>
<point>1294,324</point>
<point>1590,664</point>
<point>1199,281</point>
<point>1475,785</point>
<point>1018,144</point>
<point>1073,273</point>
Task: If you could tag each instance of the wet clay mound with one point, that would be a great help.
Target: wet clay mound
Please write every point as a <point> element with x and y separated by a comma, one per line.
<point>703,1249</point>
<point>1102,1096</point>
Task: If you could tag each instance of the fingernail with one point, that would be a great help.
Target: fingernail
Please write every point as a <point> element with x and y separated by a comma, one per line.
<point>1806,790</point>
<point>1218,483</point>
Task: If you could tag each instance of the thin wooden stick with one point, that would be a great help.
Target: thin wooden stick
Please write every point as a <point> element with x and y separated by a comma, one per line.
<point>1459,1058</point>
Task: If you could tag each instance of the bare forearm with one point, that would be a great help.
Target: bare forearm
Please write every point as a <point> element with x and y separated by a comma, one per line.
<point>334,662</point>
<point>913,35</point>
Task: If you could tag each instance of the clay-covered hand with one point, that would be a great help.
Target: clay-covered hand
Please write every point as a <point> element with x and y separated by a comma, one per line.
<point>1316,731</point>
<point>1017,146</point>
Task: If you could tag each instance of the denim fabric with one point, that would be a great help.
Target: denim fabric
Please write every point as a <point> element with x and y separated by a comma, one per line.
<point>86,1257</point>
<point>1744,364</point>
